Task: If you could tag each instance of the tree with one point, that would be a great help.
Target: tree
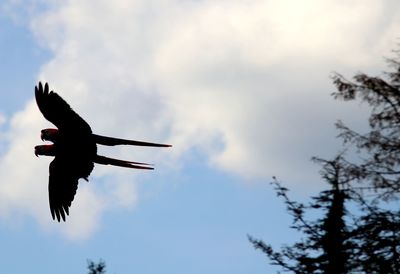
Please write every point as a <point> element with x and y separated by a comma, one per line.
<point>326,247</point>
<point>99,268</point>
<point>340,241</point>
<point>368,240</point>
<point>381,145</point>
<point>377,241</point>
<point>377,232</point>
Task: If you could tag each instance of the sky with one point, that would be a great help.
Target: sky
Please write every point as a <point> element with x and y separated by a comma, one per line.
<point>241,89</point>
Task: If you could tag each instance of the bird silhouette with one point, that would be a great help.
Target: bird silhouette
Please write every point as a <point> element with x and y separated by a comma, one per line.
<point>74,148</point>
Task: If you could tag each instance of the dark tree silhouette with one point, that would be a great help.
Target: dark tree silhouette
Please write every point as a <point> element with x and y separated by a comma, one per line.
<point>368,239</point>
<point>377,232</point>
<point>376,237</point>
<point>380,147</point>
<point>96,268</point>
<point>325,248</point>
<point>75,150</point>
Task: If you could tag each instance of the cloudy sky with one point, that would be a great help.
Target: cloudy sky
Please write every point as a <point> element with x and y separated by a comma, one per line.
<point>240,88</point>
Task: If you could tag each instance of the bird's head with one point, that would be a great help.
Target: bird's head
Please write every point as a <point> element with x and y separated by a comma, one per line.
<point>46,150</point>
<point>49,134</point>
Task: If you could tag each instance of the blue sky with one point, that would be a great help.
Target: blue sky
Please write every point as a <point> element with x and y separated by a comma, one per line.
<point>240,88</point>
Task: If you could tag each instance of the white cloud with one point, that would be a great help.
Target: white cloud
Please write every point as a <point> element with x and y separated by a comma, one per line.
<point>3,119</point>
<point>245,81</point>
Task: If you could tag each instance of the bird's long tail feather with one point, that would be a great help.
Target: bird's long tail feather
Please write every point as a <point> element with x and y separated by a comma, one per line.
<point>111,141</point>
<point>115,162</point>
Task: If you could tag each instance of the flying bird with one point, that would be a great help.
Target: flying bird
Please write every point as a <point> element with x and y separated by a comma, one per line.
<point>74,148</point>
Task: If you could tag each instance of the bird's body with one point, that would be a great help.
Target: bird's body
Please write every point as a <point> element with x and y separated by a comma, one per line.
<point>74,149</point>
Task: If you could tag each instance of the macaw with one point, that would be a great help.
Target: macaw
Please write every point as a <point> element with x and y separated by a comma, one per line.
<point>74,148</point>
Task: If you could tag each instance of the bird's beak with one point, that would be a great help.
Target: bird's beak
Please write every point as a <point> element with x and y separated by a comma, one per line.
<point>36,154</point>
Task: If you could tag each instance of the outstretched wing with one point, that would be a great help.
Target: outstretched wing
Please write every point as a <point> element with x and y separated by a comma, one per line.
<point>63,183</point>
<point>57,111</point>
